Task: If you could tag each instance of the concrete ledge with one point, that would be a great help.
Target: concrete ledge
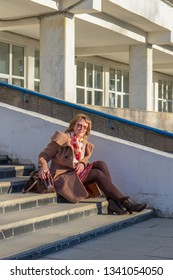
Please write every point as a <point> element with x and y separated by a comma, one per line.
<point>7,171</point>
<point>12,185</point>
<point>78,236</point>
<point>41,217</point>
<point>19,202</point>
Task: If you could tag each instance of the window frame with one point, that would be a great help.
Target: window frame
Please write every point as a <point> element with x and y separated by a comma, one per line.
<point>118,93</point>
<point>94,91</point>
<point>10,77</point>
<point>164,100</point>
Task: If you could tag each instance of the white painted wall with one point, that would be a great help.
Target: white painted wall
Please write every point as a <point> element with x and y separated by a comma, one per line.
<point>141,172</point>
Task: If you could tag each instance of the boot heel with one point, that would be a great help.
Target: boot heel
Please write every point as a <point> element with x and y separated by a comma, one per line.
<point>115,208</point>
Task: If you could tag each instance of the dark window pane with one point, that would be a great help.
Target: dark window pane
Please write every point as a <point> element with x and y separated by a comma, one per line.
<point>125,82</point>
<point>111,99</point>
<point>4,58</point>
<point>18,82</point>
<point>37,86</point>
<point>18,61</point>
<point>112,79</point>
<point>80,96</point>
<point>98,77</point>
<point>98,98</point>
<point>125,101</point>
<point>4,80</point>
<point>80,73</point>
<point>37,65</point>
<point>89,97</point>
<point>119,80</point>
<point>89,75</point>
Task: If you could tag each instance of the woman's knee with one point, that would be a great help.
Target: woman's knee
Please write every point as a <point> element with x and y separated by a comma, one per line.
<point>95,175</point>
<point>100,164</point>
<point>96,172</point>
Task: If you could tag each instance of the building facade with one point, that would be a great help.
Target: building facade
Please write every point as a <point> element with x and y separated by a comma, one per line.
<point>106,53</point>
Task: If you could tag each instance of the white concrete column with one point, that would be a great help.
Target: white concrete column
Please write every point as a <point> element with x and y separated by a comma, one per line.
<point>140,77</point>
<point>57,56</point>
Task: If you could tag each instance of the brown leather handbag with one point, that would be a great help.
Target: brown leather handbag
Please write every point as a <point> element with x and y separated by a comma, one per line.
<point>38,185</point>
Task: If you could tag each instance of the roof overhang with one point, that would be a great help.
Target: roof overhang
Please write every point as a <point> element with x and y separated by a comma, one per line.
<point>102,27</point>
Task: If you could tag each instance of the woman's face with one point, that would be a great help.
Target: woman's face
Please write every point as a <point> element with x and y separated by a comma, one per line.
<point>80,128</point>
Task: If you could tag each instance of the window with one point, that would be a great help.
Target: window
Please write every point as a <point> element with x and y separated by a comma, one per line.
<point>17,61</point>
<point>80,73</point>
<point>17,66</point>
<point>4,58</point>
<point>89,71</point>
<point>118,88</point>
<point>165,99</point>
<point>89,88</point>
<point>12,64</point>
<point>37,71</point>
<point>3,80</point>
<point>90,82</point>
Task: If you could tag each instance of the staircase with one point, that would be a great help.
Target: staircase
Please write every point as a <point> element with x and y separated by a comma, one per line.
<point>33,225</point>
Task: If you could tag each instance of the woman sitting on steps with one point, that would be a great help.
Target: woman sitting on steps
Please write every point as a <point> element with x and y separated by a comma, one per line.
<point>74,177</point>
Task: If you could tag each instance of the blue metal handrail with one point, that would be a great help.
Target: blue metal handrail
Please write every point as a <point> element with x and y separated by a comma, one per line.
<point>89,110</point>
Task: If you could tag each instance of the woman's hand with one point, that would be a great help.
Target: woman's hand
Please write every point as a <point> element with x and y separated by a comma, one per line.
<point>43,174</point>
<point>79,168</point>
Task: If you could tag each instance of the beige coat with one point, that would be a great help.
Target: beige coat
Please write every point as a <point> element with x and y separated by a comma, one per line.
<point>59,153</point>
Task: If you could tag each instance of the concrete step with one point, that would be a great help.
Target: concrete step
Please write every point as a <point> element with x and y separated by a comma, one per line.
<point>8,171</point>
<point>30,220</point>
<point>32,225</point>
<point>12,185</point>
<point>4,159</point>
<point>14,177</point>
<point>64,235</point>
<point>18,201</point>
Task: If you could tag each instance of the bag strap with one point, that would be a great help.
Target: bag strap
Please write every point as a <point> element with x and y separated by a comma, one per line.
<point>29,188</point>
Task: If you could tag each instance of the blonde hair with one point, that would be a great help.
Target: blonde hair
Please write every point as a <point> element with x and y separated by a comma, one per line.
<point>76,119</point>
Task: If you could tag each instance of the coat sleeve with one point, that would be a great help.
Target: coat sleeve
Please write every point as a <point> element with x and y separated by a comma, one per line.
<point>46,155</point>
<point>88,152</point>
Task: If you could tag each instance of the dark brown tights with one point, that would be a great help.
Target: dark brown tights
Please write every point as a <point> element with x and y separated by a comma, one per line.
<point>100,175</point>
